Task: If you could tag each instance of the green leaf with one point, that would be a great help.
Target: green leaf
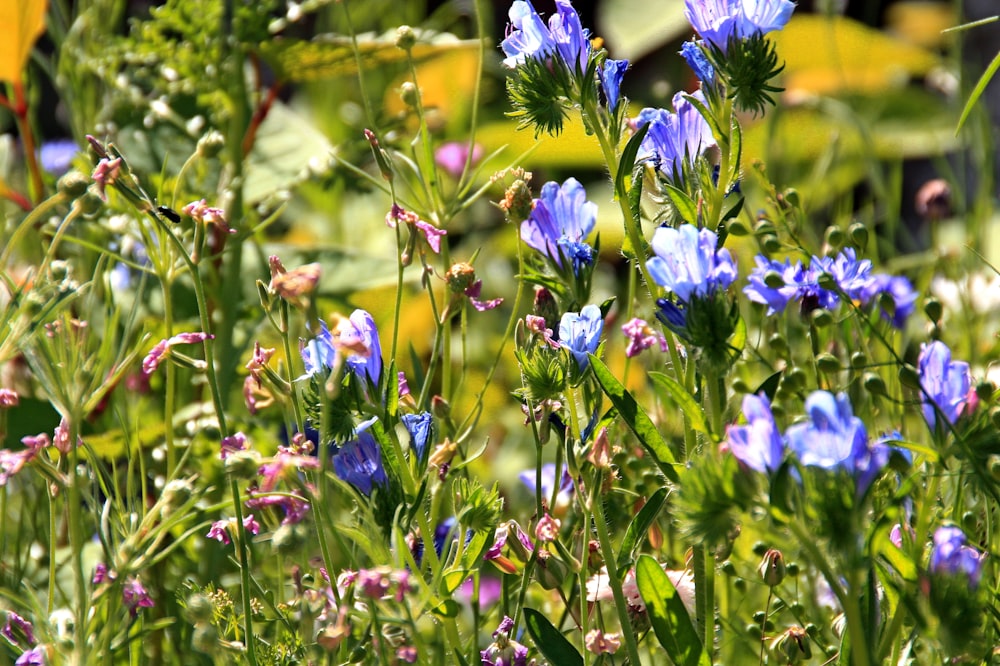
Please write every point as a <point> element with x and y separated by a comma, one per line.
<point>770,385</point>
<point>552,644</point>
<point>691,409</point>
<point>627,161</point>
<point>636,419</point>
<point>684,204</point>
<point>668,616</point>
<point>977,92</point>
<point>639,525</point>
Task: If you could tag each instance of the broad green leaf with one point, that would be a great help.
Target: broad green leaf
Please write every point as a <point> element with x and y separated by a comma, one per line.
<point>639,525</point>
<point>685,205</point>
<point>23,22</point>
<point>895,557</point>
<point>977,92</point>
<point>691,409</point>
<point>668,616</point>
<point>636,419</point>
<point>552,644</point>
<point>285,146</point>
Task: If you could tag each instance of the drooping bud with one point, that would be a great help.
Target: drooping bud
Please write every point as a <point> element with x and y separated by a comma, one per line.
<point>772,568</point>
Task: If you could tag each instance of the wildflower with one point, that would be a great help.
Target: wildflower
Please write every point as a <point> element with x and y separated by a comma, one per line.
<point>774,284</point>
<point>360,336</point>
<point>407,653</point>
<point>8,398</point>
<point>529,37</point>
<point>560,221</point>
<point>641,337</point>
<point>952,556</point>
<point>598,642</point>
<point>201,212</point>
<point>219,531</point>
<point>319,352</point>
<point>718,21</point>
<point>517,202</point>
<point>473,293</point>
<point>599,588</point>
<point>611,75</point>
<point>12,462</point>
<point>419,427</point>
<point>284,460</point>
<point>233,443</point>
<point>674,141</point>
<point>453,156</point>
<point>537,326</point>
<point>293,285</point>
<point>105,173</point>
<point>102,574</point>
<point>431,233</point>
<point>547,529</point>
<point>461,279</point>
<point>852,275</point>
<point>257,362</point>
<point>293,506</point>
<point>504,651</point>
<point>60,437</point>
<point>162,349</point>
<point>946,384</point>
<point>134,596</point>
<point>758,444</point>
<point>688,263</point>
<point>16,628</point>
<point>694,55</point>
<point>897,291</point>
<point>359,461</point>
<point>580,333</point>
<point>833,437</point>
<point>36,656</point>
<point>772,567</point>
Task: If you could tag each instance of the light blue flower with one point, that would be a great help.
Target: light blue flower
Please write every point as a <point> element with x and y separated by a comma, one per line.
<point>359,461</point>
<point>319,352</point>
<point>946,383</point>
<point>611,80</point>
<point>560,222</point>
<point>674,140</point>
<point>718,21</point>
<point>580,333</point>
<point>776,298</point>
<point>688,263</point>
<point>419,427</point>
<point>549,480</point>
<point>529,37</point>
<point>832,438</point>
<point>697,61</point>
<point>360,335</point>
<point>952,556</point>
<point>758,444</point>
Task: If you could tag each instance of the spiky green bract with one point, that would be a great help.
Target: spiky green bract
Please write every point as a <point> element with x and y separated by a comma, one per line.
<point>748,67</point>
<point>332,414</point>
<point>713,493</point>
<point>477,508</point>
<point>543,372</point>
<point>960,613</point>
<point>539,92</point>
<point>709,324</point>
<point>387,499</point>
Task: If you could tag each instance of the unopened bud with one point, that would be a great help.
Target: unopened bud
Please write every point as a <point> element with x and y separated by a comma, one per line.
<point>517,202</point>
<point>176,493</point>
<point>89,203</point>
<point>993,465</point>
<point>550,571</point>
<point>405,37</point>
<point>410,94</point>
<point>772,568</point>
<point>828,364</point>
<point>243,465</point>
<point>858,360</point>
<point>859,235</point>
<point>834,237</point>
<point>770,243</point>
<point>205,638</point>
<point>381,157</point>
<point>73,184</point>
<point>774,279</point>
<point>821,317</point>
<point>874,384</point>
<point>794,645</point>
<point>211,144</point>
<point>909,376</point>
<point>984,390</point>
<point>460,277</point>
<point>933,309</point>
<point>199,608</point>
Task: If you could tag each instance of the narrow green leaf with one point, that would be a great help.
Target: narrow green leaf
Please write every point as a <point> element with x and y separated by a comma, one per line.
<point>392,391</point>
<point>770,385</point>
<point>709,117</point>
<point>735,152</point>
<point>636,419</point>
<point>552,644</point>
<point>684,204</point>
<point>639,525</point>
<point>668,616</point>
<point>691,409</point>
<point>627,160</point>
<point>977,92</point>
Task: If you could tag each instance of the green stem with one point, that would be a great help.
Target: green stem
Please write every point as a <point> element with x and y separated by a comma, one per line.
<point>28,224</point>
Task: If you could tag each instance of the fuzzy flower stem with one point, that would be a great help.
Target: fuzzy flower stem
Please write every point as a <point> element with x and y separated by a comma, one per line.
<point>610,560</point>
<point>714,216</point>
<point>704,595</point>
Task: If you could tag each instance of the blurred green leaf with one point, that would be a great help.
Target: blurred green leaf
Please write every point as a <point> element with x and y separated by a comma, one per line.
<point>668,616</point>
<point>977,92</point>
<point>286,145</point>
<point>642,521</point>
<point>552,644</point>
<point>692,410</point>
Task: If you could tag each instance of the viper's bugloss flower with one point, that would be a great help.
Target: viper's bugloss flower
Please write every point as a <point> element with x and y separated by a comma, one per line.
<point>688,262</point>
<point>946,384</point>
<point>674,141</point>
<point>529,37</point>
<point>698,62</point>
<point>358,336</point>
<point>580,333</point>
<point>951,555</point>
<point>833,437</point>
<point>758,444</point>
<point>611,75</point>
<point>718,21</point>
<point>359,461</point>
<point>319,352</point>
<point>419,427</point>
<point>560,221</point>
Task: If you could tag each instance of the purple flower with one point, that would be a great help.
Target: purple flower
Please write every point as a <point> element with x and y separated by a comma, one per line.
<point>952,556</point>
<point>453,155</point>
<point>946,383</point>
<point>758,444</point>
<point>162,349</point>
<point>529,37</point>
<point>899,290</point>
<point>697,61</point>
<point>611,80</point>
<point>674,140</point>
<point>580,333</point>
<point>560,221</point>
<point>134,596</point>
<point>359,461</point>
<point>16,628</point>
<point>688,264</point>
<point>832,437</point>
<point>504,651</point>
<point>33,657</point>
<point>641,337</point>
<point>419,427</point>
<point>775,297</point>
<point>360,336</point>
<point>549,480</point>
<point>717,21</point>
<point>219,531</point>
<point>853,276</point>
<point>57,155</point>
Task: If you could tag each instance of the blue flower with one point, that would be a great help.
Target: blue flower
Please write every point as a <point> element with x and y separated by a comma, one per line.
<point>529,37</point>
<point>580,333</point>
<point>899,289</point>
<point>832,438</point>
<point>674,140</point>
<point>611,80</point>
<point>319,352</point>
<point>688,263</point>
<point>359,461</point>
<point>57,155</point>
<point>952,556</point>
<point>852,275</point>
<point>360,336</point>
<point>946,383</point>
<point>419,427</point>
<point>697,61</point>
<point>776,298</point>
<point>718,21</point>
<point>549,480</point>
<point>758,444</point>
<point>560,221</point>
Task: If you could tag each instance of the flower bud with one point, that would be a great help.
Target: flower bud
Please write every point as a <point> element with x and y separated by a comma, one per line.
<point>737,228</point>
<point>550,571</point>
<point>909,376</point>
<point>874,384</point>
<point>834,237</point>
<point>774,279</point>
<point>858,233</point>
<point>199,608</point>
<point>772,568</point>
<point>933,309</point>
<point>794,645</point>
<point>770,243</point>
<point>827,363</point>
<point>205,638</point>
<point>517,201</point>
<point>243,465</point>
<point>176,493</point>
<point>993,465</point>
<point>545,306</point>
<point>405,37</point>
<point>778,344</point>
<point>89,203</point>
<point>821,317</point>
<point>211,144</point>
<point>460,277</point>
<point>984,390</point>
<point>858,360</point>
<point>73,184</point>
<point>409,93</point>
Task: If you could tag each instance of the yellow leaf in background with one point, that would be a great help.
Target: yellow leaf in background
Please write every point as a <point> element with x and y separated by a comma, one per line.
<point>447,80</point>
<point>23,22</point>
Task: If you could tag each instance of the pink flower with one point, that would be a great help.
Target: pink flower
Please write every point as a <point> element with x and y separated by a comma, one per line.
<point>431,233</point>
<point>134,596</point>
<point>8,398</point>
<point>102,574</point>
<point>202,212</point>
<point>473,294</point>
<point>235,442</point>
<point>162,348</point>
<point>280,464</point>
<point>219,531</point>
<point>60,438</point>
<point>257,362</point>
<point>17,627</point>
<point>453,155</point>
<point>641,337</point>
<point>105,173</point>
<point>250,524</point>
<point>547,529</point>
<point>599,642</point>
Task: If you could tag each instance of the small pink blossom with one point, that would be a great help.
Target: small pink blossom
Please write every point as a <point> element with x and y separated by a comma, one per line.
<point>547,529</point>
<point>599,642</point>
<point>294,507</point>
<point>102,574</point>
<point>219,531</point>
<point>257,362</point>
<point>135,596</point>
<point>16,628</point>
<point>250,524</point>
<point>473,294</point>
<point>8,398</point>
<point>60,438</point>
<point>202,212</point>
<point>641,337</point>
<point>407,653</point>
<point>536,325</point>
<point>404,386</point>
<point>105,173</point>
<point>160,351</point>
<point>431,233</point>
<point>12,462</point>
<point>233,443</point>
<point>453,155</point>
<point>283,462</point>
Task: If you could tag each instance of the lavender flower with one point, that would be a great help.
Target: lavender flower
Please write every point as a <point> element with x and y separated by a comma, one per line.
<point>360,336</point>
<point>36,656</point>
<point>580,333</point>
<point>952,556</point>
<point>946,383</point>
<point>611,80</point>
<point>504,651</point>
<point>674,140</point>
<point>688,264</point>
<point>560,221</point>
<point>359,462</point>
<point>758,444</point>
<point>419,427</point>
<point>718,21</point>
<point>833,437</point>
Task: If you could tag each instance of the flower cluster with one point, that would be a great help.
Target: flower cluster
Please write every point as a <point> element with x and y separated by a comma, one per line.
<point>826,281</point>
